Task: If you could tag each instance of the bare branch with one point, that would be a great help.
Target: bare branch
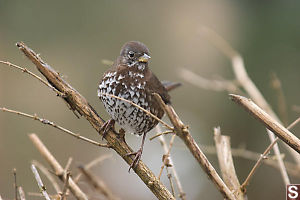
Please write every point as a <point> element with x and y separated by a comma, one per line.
<point>162,141</point>
<point>15,183</point>
<point>226,163</point>
<point>181,130</point>
<point>93,163</point>
<point>98,184</point>
<point>78,103</point>
<point>294,123</point>
<point>46,172</point>
<point>257,164</point>
<point>21,193</point>
<point>160,134</point>
<point>66,185</point>
<point>33,75</point>
<point>47,122</point>
<point>254,156</point>
<point>40,182</point>
<point>59,171</point>
<point>207,84</point>
<point>284,134</point>
<point>245,82</point>
<point>166,157</point>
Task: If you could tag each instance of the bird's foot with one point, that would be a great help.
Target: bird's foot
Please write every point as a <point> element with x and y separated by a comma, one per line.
<point>109,124</point>
<point>136,159</point>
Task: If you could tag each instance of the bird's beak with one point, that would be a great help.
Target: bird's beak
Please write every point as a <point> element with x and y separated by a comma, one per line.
<point>144,58</point>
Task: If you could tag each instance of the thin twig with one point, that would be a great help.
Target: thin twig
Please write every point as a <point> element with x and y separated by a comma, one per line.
<point>15,183</point>
<point>46,172</point>
<point>281,132</point>
<point>160,134</point>
<point>169,175</point>
<point>260,160</point>
<point>65,188</point>
<point>67,167</point>
<point>182,194</point>
<point>254,156</point>
<point>21,193</point>
<point>141,108</point>
<point>293,123</point>
<point>166,156</point>
<point>281,102</point>
<point>93,163</point>
<point>257,164</point>
<point>208,84</point>
<point>251,89</point>
<point>181,130</point>
<point>33,75</point>
<point>98,184</point>
<point>47,122</point>
<point>40,182</point>
<point>59,171</point>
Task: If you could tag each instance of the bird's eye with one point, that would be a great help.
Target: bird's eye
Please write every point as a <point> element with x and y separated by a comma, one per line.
<point>131,54</point>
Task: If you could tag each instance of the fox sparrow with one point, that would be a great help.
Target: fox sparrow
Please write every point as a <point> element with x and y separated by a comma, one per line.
<point>130,78</point>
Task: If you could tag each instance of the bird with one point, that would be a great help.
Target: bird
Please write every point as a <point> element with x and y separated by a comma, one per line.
<point>130,78</point>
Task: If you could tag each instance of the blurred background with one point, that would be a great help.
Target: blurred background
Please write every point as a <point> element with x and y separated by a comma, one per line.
<point>75,36</point>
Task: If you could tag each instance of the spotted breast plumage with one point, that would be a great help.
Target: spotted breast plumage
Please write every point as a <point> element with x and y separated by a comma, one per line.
<point>131,79</point>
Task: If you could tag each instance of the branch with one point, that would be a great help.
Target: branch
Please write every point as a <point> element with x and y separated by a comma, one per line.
<point>181,130</point>
<point>226,163</point>
<point>257,164</point>
<point>248,85</point>
<point>40,182</point>
<point>46,172</point>
<point>47,122</point>
<point>98,184</point>
<point>162,141</point>
<point>59,171</point>
<point>21,193</point>
<point>78,103</point>
<point>281,132</point>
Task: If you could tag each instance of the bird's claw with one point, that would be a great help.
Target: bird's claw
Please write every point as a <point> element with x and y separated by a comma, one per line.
<point>136,159</point>
<point>109,124</point>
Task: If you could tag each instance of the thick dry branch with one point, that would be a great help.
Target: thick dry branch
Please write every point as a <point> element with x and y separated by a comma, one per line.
<point>59,171</point>
<point>226,163</point>
<point>181,130</point>
<point>281,132</point>
<point>78,103</point>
